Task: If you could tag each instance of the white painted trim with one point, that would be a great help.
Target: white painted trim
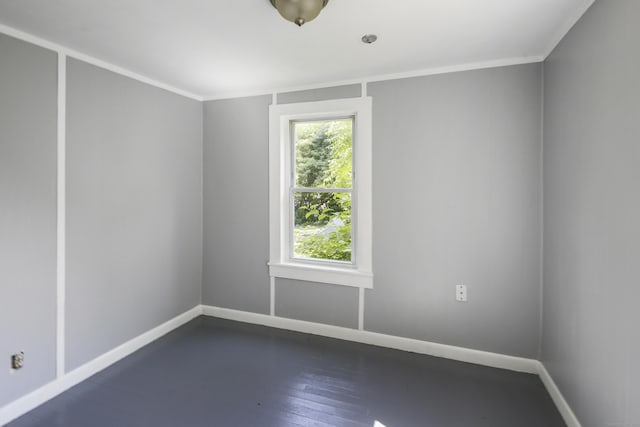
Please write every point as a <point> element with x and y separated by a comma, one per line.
<point>568,25</point>
<point>274,98</point>
<point>61,252</point>
<point>382,77</point>
<point>36,398</point>
<point>461,354</point>
<point>494,360</point>
<point>13,32</point>
<point>541,213</point>
<point>272,295</point>
<point>565,410</point>
<point>360,273</point>
<point>335,276</point>
<point>62,50</point>
<point>361,309</point>
<point>363,90</point>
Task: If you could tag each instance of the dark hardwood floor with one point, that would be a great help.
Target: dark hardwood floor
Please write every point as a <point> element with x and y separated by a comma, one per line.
<point>214,372</point>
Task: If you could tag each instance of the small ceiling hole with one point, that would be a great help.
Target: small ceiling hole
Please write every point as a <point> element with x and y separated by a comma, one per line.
<point>369,38</point>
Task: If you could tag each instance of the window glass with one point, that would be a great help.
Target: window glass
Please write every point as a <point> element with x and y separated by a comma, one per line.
<point>322,227</point>
<point>323,153</point>
<point>323,160</point>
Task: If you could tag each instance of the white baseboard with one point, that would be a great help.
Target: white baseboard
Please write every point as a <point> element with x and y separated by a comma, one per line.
<point>563,406</point>
<point>461,354</point>
<point>36,398</point>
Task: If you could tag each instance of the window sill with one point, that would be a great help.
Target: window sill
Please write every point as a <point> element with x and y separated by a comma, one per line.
<point>322,274</point>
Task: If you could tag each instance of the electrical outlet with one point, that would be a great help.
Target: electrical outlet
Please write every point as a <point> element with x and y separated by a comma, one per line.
<point>17,360</point>
<point>461,293</point>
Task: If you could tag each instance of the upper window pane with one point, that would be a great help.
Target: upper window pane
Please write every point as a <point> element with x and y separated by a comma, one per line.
<point>324,153</point>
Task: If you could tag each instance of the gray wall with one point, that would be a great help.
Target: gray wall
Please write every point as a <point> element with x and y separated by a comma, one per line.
<point>236,217</point>
<point>317,302</point>
<point>456,200</point>
<point>236,205</point>
<point>28,115</point>
<point>591,344</point>
<point>336,92</point>
<point>134,212</point>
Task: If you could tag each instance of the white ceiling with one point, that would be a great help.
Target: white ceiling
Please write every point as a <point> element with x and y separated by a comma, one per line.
<point>216,48</point>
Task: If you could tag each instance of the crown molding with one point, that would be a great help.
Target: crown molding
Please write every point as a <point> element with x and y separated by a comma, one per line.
<point>63,50</point>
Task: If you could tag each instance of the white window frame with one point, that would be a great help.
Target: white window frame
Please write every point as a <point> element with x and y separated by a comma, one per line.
<point>357,273</point>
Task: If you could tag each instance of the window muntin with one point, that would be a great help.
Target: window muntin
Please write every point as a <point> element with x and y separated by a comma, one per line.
<point>321,193</point>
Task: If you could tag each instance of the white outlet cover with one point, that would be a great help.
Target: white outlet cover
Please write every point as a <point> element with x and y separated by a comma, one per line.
<point>461,293</point>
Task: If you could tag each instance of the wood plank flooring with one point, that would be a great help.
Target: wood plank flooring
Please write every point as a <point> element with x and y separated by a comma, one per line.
<point>214,372</point>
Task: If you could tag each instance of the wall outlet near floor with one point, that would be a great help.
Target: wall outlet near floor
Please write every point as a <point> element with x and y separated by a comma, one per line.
<point>461,293</point>
<point>17,360</point>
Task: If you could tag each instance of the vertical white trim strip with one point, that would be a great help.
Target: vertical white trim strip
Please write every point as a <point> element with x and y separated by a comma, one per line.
<point>363,91</point>
<point>361,309</point>
<point>272,279</point>
<point>202,198</point>
<point>541,213</point>
<point>272,296</point>
<point>61,215</point>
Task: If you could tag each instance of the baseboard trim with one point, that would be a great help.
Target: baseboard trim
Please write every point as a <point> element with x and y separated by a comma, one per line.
<point>565,410</point>
<point>494,360</point>
<point>461,354</point>
<point>36,398</point>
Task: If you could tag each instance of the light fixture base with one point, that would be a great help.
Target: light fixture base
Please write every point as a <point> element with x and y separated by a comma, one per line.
<point>297,13</point>
<point>273,3</point>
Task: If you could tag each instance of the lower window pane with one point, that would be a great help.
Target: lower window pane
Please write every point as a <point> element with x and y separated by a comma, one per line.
<point>322,226</point>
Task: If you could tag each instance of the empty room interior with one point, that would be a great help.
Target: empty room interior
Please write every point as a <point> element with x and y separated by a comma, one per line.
<point>354,213</point>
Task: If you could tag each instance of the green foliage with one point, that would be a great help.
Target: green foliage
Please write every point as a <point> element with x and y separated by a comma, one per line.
<point>315,208</point>
<point>335,246</point>
<point>339,173</point>
<point>323,160</point>
<point>313,153</point>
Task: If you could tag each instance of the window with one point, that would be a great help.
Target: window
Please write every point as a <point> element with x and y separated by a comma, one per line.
<point>320,191</point>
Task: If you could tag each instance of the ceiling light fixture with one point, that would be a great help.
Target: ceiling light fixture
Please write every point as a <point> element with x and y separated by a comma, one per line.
<point>299,11</point>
